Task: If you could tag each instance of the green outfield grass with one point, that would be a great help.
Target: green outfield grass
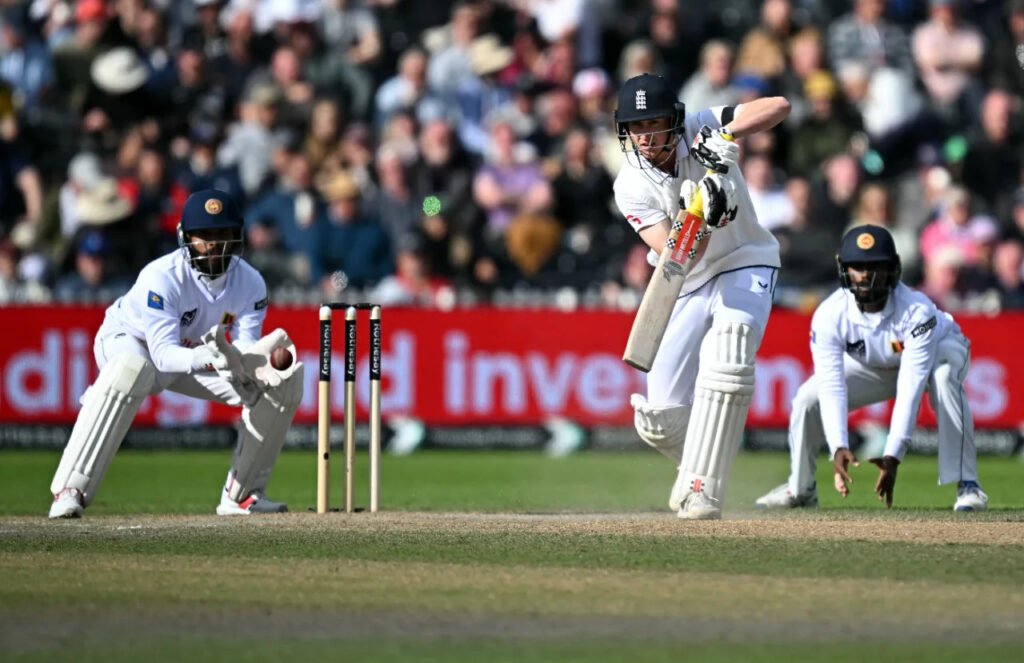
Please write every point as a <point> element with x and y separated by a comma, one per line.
<point>507,556</point>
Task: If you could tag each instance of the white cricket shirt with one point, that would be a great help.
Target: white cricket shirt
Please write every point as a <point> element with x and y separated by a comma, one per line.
<point>901,337</point>
<point>649,196</point>
<point>170,307</point>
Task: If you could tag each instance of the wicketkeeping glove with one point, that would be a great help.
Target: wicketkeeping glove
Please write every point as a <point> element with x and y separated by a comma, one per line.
<point>711,150</point>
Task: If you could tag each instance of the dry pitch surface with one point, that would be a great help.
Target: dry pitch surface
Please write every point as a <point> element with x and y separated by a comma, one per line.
<point>128,577</point>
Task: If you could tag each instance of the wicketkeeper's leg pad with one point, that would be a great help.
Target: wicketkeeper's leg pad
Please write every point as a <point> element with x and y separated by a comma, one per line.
<point>108,407</point>
<point>662,427</point>
<point>724,386</point>
<point>262,434</point>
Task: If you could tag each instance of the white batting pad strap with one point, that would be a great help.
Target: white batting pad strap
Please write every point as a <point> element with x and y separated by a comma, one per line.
<point>108,407</point>
<point>262,434</point>
<point>662,427</point>
<point>725,383</point>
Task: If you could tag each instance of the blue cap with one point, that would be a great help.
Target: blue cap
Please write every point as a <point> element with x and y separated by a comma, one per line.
<point>93,244</point>
<point>210,209</point>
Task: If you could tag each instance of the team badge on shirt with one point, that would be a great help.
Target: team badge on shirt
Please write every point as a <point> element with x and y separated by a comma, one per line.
<point>154,300</point>
<point>897,347</point>
<point>228,319</point>
<point>856,348</point>
<point>188,317</point>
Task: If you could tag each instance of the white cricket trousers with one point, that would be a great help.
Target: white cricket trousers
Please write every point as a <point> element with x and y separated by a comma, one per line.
<point>866,386</point>
<point>743,296</point>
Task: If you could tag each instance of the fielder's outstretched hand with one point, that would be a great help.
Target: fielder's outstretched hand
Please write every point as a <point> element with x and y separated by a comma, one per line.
<point>886,484</point>
<point>840,465</point>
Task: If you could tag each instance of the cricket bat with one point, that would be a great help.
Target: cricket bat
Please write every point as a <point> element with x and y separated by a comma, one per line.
<point>685,244</point>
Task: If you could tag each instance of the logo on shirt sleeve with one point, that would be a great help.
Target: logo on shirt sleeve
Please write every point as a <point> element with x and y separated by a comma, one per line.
<point>154,300</point>
<point>924,327</point>
<point>261,304</point>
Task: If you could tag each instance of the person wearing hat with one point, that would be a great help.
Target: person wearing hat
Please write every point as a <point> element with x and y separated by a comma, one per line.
<point>170,331</point>
<point>700,381</point>
<point>872,340</point>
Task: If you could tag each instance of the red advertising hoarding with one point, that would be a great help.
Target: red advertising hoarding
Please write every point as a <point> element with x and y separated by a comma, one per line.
<point>479,366</point>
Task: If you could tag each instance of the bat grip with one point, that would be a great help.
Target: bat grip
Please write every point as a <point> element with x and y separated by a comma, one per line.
<point>696,206</point>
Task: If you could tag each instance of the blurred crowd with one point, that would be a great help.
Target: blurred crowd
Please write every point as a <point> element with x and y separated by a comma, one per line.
<point>445,153</point>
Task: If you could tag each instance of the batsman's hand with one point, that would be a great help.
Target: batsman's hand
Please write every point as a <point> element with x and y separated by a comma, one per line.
<point>840,470</point>
<point>718,193</point>
<point>886,484</point>
<point>713,150</point>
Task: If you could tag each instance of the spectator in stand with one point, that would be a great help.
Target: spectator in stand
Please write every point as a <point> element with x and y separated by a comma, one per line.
<point>948,53</point>
<point>207,32</point>
<point>106,208</point>
<point>806,57</point>
<point>591,86</point>
<point>285,226</point>
<point>865,38</point>
<point>93,278</point>
<point>412,284</point>
<point>395,205</point>
<point>674,51</point>
<point>992,164</point>
<point>639,57</point>
<point>482,93</point>
<point>73,60</point>
<point>1002,69</point>
<point>832,196</point>
<point>808,273</point>
<point>763,49</point>
<point>353,249</point>
<point>509,183</point>
<point>972,236</point>
<point>407,91</point>
<point>773,207</point>
<point>248,143</point>
<point>627,288</point>
<point>942,278</point>
<point>21,193</point>
<point>323,133</point>
<point>351,30</point>
<point>25,63</point>
<point>236,64</point>
<point>450,63</point>
<point>825,132</point>
<point>116,100</point>
<point>1008,267</point>
<point>557,110</point>
<point>711,85</point>
<point>14,289</point>
<point>1015,228</point>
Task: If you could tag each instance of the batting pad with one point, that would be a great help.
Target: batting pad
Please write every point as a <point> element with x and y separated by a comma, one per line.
<point>108,407</point>
<point>725,383</point>
<point>662,427</point>
<point>261,436</point>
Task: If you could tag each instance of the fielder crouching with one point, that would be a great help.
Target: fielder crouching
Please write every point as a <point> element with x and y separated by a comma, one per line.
<point>875,339</point>
<point>170,331</point>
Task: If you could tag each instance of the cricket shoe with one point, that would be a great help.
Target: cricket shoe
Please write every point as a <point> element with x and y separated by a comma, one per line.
<point>255,503</point>
<point>969,497</point>
<point>698,506</point>
<point>67,504</point>
<point>780,497</point>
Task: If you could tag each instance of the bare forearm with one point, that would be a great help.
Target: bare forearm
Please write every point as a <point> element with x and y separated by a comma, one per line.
<point>758,115</point>
<point>32,192</point>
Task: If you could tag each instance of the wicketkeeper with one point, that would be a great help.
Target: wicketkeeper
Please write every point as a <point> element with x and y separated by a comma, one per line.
<point>874,339</point>
<point>171,331</point>
<point>700,383</point>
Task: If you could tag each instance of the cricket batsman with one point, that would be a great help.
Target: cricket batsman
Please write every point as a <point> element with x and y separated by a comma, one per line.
<point>702,377</point>
<point>191,323</point>
<point>875,339</point>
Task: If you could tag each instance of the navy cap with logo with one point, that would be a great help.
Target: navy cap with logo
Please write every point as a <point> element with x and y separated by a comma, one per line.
<point>646,97</point>
<point>867,244</point>
<point>210,209</point>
